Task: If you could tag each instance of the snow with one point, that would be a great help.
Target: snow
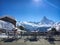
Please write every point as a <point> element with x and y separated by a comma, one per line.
<point>8,16</point>
<point>45,22</point>
<point>32,24</point>
<point>3,35</point>
<point>6,25</point>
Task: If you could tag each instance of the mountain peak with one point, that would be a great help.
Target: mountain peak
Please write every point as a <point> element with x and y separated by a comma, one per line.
<point>45,20</point>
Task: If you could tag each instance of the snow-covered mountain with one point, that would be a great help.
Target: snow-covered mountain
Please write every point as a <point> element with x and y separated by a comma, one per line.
<point>29,26</point>
<point>46,21</point>
<point>6,25</point>
<point>43,25</point>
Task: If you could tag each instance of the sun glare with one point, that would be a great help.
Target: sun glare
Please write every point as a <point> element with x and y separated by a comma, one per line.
<point>37,1</point>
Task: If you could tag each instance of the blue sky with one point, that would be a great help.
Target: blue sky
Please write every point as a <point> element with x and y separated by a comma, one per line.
<point>31,10</point>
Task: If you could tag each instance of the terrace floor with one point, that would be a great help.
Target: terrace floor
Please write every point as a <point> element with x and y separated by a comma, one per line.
<point>21,41</point>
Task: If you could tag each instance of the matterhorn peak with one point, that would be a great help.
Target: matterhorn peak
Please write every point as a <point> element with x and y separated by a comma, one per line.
<point>45,17</point>
<point>45,20</point>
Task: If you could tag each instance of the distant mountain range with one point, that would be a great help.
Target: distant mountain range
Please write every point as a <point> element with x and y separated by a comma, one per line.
<point>43,25</point>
